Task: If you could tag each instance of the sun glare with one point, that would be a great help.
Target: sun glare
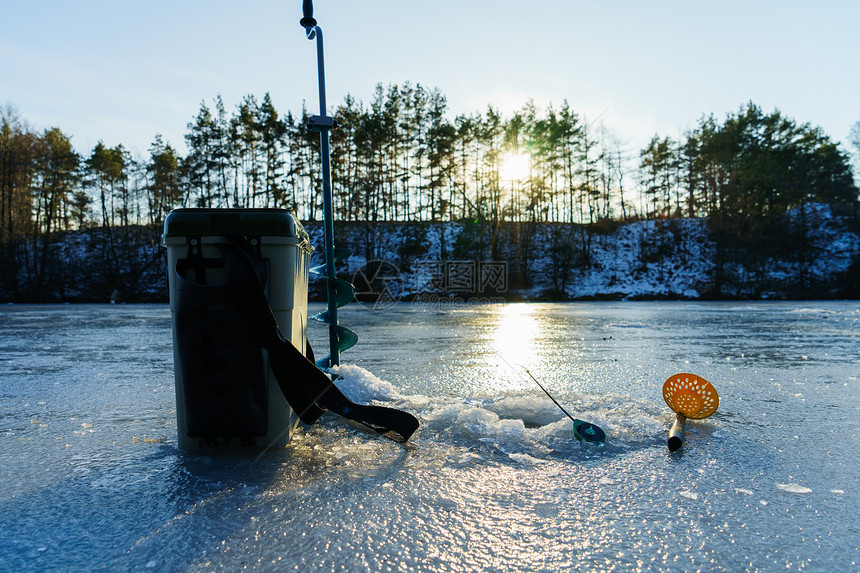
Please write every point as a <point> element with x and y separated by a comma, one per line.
<point>515,167</point>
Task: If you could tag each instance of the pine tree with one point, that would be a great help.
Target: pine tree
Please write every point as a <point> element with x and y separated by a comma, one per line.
<point>201,163</point>
<point>272,135</point>
<point>440,145</point>
<point>245,134</point>
<point>17,171</point>
<point>659,163</point>
<point>222,154</point>
<point>56,176</point>
<point>345,169</point>
<point>164,180</point>
<point>106,174</point>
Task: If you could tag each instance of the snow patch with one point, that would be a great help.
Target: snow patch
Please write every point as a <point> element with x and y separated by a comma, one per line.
<point>793,488</point>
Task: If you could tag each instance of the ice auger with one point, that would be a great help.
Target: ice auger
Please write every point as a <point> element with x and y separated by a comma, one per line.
<point>339,291</point>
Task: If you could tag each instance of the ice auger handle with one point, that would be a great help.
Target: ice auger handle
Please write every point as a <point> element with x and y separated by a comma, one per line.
<point>308,21</point>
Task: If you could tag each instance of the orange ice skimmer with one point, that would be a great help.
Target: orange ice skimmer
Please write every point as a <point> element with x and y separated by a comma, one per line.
<point>689,396</point>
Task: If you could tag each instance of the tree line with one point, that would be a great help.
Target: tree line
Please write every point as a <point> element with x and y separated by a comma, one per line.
<point>401,157</point>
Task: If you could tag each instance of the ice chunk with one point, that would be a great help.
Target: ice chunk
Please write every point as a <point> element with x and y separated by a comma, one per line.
<point>526,459</point>
<point>793,488</point>
<point>361,386</point>
<point>546,509</point>
<point>562,429</point>
<point>479,422</point>
<point>465,460</point>
<point>445,504</point>
<point>626,324</point>
<point>533,409</point>
<point>689,495</point>
<point>743,491</point>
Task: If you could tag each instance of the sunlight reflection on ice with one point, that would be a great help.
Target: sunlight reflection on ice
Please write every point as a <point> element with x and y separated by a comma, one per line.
<point>515,334</point>
<point>514,342</point>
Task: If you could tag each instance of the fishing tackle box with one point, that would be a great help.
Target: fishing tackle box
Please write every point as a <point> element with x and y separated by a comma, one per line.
<point>225,389</point>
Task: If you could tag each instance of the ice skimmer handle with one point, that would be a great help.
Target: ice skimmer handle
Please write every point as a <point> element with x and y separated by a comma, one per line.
<point>676,433</point>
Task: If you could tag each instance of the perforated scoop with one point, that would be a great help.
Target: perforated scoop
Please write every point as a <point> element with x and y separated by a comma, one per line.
<point>689,396</point>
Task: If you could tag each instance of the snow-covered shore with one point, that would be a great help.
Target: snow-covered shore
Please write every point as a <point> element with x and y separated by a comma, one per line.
<point>674,258</point>
<point>469,261</point>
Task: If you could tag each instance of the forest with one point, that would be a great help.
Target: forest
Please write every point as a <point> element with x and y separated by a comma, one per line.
<point>401,158</point>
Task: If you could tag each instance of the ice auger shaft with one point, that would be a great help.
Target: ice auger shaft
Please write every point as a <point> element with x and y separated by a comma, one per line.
<point>338,291</point>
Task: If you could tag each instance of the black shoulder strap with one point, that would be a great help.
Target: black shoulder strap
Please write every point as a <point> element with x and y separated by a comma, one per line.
<point>307,389</point>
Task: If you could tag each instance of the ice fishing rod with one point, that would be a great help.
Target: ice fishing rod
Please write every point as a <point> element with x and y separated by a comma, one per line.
<point>582,431</point>
<point>338,291</point>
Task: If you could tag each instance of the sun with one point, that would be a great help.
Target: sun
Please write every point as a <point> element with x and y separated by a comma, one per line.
<point>515,167</point>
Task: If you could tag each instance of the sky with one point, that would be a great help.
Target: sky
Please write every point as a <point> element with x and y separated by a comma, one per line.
<point>121,72</point>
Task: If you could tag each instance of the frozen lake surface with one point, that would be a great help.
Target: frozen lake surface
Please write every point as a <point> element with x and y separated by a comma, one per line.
<point>492,481</point>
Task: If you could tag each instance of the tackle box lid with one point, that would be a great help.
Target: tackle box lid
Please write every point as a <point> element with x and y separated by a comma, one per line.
<point>261,222</point>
